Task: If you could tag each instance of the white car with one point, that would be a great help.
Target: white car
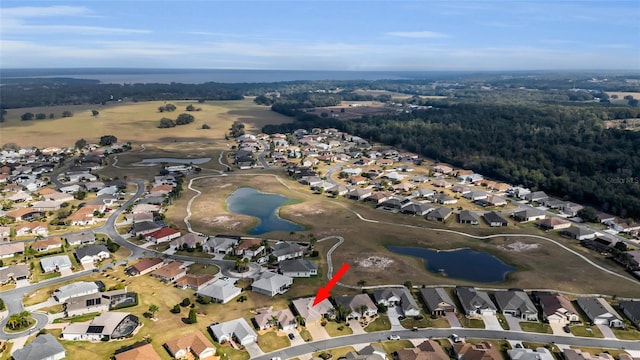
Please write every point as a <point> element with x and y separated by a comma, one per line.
<point>394,337</point>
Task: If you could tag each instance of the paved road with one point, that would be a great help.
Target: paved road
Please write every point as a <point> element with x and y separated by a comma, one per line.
<point>296,351</point>
<point>263,154</point>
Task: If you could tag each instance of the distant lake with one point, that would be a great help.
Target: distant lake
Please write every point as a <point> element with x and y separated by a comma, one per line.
<point>176,160</point>
<point>264,207</point>
<point>464,264</point>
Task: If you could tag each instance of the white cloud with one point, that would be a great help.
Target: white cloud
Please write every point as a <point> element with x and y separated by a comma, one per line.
<point>417,34</point>
<point>43,11</point>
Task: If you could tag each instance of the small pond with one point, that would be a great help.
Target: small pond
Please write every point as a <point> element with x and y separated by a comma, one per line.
<point>177,160</point>
<point>465,264</point>
<point>264,207</point>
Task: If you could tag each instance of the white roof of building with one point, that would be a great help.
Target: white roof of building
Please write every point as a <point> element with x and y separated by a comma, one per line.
<point>238,327</point>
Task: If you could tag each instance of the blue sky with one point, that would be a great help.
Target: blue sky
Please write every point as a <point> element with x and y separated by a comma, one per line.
<point>322,35</point>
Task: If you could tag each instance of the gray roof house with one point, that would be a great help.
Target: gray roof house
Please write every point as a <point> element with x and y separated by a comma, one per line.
<point>528,215</point>
<point>78,288</point>
<point>476,195</point>
<point>271,284</point>
<point>297,268</point>
<point>144,228</point>
<point>43,347</point>
<point>517,304</point>
<point>53,263</point>
<point>358,194</point>
<point>237,330</point>
<point>85,238</point>
<point>86,304</point>
<point>631,310</point>
<point>494,219</point>
<point>475,302</point>
<point>416,208</point>
<point>219,245</point>
<point>91,253</point>
<point>536,196</point>
<point>529,354</point>
<point>398,297</point>
<point>286,250</point>
<point>439,214</point>
<point>356,303</point>
<point>600,312</point>
<point>313,314</point>
<point>437,301</point>
<point>578,233</point>
<point>221,291</point>
<point>468,217</point>
<point>14,273</point>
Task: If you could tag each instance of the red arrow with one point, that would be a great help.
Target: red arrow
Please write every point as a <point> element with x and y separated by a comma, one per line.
<point>323,292</point>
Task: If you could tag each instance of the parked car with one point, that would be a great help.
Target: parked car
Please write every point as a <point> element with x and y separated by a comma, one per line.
<point>566,329</point>
<point>291,336</point>
<point>414,328</point>
<point>394,337</point>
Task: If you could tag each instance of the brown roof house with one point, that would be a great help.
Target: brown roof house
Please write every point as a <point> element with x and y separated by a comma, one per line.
<point>556,308</point>
<point>144,266</point>
<point>191,345</point>
<point>481,351</point>
<point>142,352</point>
<point>427,350</point>
<point>170,272</point>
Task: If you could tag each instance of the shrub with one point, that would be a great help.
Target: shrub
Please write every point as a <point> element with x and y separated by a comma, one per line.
<point>185,302</point>
<point>176,309</point>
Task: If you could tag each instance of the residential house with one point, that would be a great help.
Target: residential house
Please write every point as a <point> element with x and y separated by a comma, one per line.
<point>369,352</point>
<point>536,196</point>
<point>313,314</point>
<point>442,183</point>
<point>48,244</point>
<point>160,190</point>
<point>219,245</point>
<point>84,238</point>
<point>494,219</point>
<point>163,235</point>
<point>85,215</point>
<point>528,215</point>
<point>600,312</point>
<point>192,345</point>
<point>422,193</point>
<point>631,309</point>
<point>517,304</point>
<point>142,217</point>
<point>460,189</point>
<point>170,272</point>
<point>360,305</point>
<point>194,282</point>
<point>468,217</point>
<point>417,208</point>
<point>481,351</point>
<point>32,228</point>
<point>144,228</point>
<point>395,203</point>
<point>43,347</point>
<point>108,325</point>
<point>437,301</point>
<point>427,350</point>
<point>577,354</point>
<point>189,240</point>
<point>71,189</point>
<point>19,197</point>
<point>475,302</point>
<point>378,197</point>
<point>556,308</point>
<point>271,284</point>
<point>602,243</point>
<point>403,187</point>
<point>75,289</point>
<point>399,297</point>
<point>24,214</point>
<point>92,253</point>
<point>10,249</point>
<point>144,266</point>
<point>86,304</point>
<point>439,214</point>
<point>46,205</point>
<point>553,223</point>
<point>138,351</point>
<point>221,291</point>
<point>249,248</point>
<point>286,250</point>
<point>297,268</point>
<point>529,354</point>
<point>571,209</point>
<point>442,169</point>
<point>444,199</point>
<point>476,195</point>
<point>339,190</point>
<point>14,273</point>
<point>493,200</point>
<point>578,233</point>
<point>237,330</point>
<point>358,194</point>
<point>282,319</point>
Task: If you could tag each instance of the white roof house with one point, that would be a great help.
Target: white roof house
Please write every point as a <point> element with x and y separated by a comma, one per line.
<point>271,284</point>
<point>312,314</point>
<point>75,289</point>
<point>53,263</point>
<point>237,330</point>
<point>221,290</point>
<point>111,325</point>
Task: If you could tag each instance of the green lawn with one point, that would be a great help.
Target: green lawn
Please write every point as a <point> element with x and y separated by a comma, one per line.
<point>334,329</point>
<point>6,353</point>
<point>31,323</point>
<point>79,318</point>
<point>586,331</point>
<point>627,334</point>
<point>53,309</point>
<point>203,269</point>
<point>270,341</point>
<point>425,322</point>
<point>379,324</point>
<point>226,352</point>
<point>392,346</point>
<point>538,327</point>
<point>305,334</point>
<point>336,353</point>
<point>471,323</point>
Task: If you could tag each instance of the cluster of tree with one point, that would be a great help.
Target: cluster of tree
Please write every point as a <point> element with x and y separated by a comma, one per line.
<point>182,119</point>
<point>106,140</point>
<point>167,108</point>
<point>21,320</point>
<point>564,150</point>
<point>237,129</point>
<point>190,107</point>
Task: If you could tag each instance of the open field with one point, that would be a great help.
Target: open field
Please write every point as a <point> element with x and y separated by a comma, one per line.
<point>622,94</point>
<point>135,122</point>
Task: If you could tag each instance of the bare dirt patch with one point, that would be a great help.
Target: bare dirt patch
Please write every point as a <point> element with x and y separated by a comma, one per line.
<point>377,262</point>
<point>519,246</point>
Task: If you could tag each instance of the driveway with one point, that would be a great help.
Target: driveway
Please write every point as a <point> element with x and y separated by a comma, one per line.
<point>21,283</point>
<point>65,272</point>
<point>297,340</point>
<point>317,332</point>
<point>356,327</point>
<point>514,323</point>
<point>453,320</point>
<point>392,313</point>
<point>254,350</point>
<point>88,266</point>
<point>606,331</point>
<point>557,329</point>
<point>491,322</point>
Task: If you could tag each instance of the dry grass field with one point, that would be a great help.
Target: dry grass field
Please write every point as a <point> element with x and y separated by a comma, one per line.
<point>622,94</point>
<point>134,122</point>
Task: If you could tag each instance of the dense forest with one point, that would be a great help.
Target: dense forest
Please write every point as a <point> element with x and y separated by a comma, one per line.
<point>563,150</point>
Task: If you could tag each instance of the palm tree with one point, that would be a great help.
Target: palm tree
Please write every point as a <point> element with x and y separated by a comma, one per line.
<point>153,309</point>
<point>273,321</point>
<point>13,321</point>
<point>363,309</point>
